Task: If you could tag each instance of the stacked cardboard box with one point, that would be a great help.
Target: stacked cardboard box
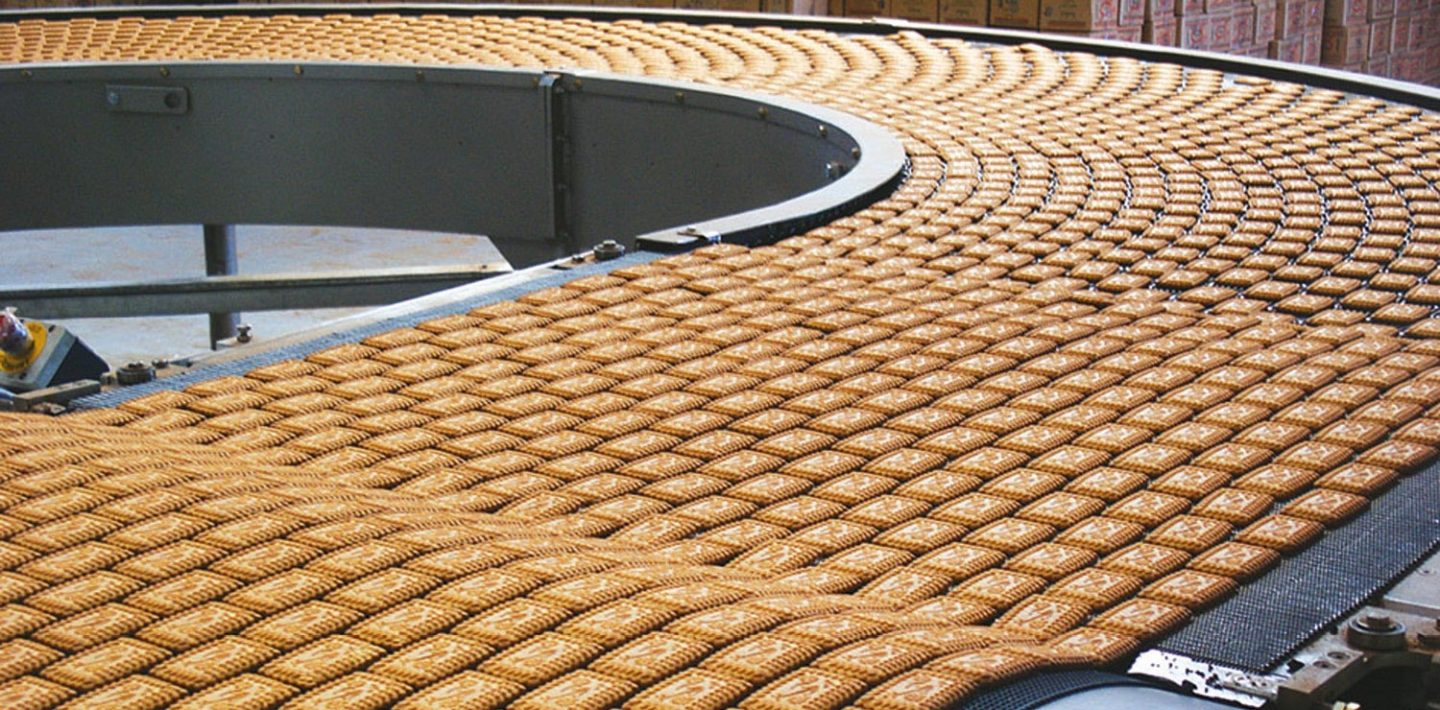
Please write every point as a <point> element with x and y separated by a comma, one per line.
<point>1393,38</point>
<point>1298,31</point>
<point>1159,26</point>
<point>1234,26</point>
<point>858,8</point>
<point>1104,19</point>
<point>965,12</point>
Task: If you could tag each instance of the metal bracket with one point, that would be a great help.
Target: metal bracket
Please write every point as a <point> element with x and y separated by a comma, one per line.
<point>557,124</point>
<point>1333,663</point>
<point>1321,673</point>
<point>1206,679</point>
<point>49,399</point>
<point>166,100</point>
<point>677,241</point>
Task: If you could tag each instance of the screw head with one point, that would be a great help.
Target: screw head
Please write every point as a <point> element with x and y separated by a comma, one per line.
<point>1377,622</point>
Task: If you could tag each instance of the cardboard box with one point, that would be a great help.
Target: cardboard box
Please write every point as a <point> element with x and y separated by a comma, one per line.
<point>1131,13</point>
<point>1310,47</point>
<point>1185,8</point>
<point>1380,32</point>
<point>1399,33</point>
<point>1242,26</point>
<point>1423,31</point>
<point>1293,18</point>
<point>1079,14</point>
<point>795,7</point>
<point>1159,10</point>
<point>1214,6</point>
<point>1220,38</point>
<point>1264,22</point>
<point>1285,50</point>
<point>1193,31</point>
<point>864,8</point>
<point>1378,65</point>
<point>1380,9</point>
<point>722,5</point>
<point>965,12</point>
<point>1021,14</point>
<point>1345,45</point>
<point>1128,33</point>
<point>1161,33</point>
<point>918,10</point>
<point>1346,12</point>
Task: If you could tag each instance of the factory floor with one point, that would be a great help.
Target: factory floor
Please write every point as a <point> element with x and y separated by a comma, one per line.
<point>76,256</point>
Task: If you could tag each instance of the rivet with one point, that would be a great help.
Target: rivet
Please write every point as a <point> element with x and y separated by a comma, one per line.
<point>763,112</point>
<point>299,70</point>
<point>855,152</point>
<point>164,71</point>
<point>824,130</point>
<point>680,97</point>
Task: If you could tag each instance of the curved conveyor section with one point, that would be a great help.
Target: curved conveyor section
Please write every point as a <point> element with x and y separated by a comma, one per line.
<point>1136,327</point>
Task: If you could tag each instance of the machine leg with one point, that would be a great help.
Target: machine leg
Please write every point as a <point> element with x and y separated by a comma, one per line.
<point>220,261</point>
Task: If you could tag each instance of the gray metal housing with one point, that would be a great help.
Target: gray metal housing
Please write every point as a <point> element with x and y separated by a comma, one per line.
<point>546,164</point>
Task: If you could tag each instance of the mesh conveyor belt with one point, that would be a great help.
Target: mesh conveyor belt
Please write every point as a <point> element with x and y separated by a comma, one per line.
<point>1031,412</point>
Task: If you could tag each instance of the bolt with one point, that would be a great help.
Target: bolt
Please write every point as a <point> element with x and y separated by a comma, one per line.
<point>609,249</point>
<point>299,70</point>
<point>763,112</point>
<point>242,333</point>
<point>134,373</point>
<point>855,152</point>
<point>419,75</point>
<point>680,97</point>
<point>113,98</point>
<point>824,131</point>
<point>26,74</point>
<point>1376,622</point>
<point>165,71</point>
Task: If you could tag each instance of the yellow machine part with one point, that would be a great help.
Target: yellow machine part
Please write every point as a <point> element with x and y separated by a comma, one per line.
<point>20,362</point>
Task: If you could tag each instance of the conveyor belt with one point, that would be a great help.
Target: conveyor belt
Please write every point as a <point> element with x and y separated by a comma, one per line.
<point>1128,335</point>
